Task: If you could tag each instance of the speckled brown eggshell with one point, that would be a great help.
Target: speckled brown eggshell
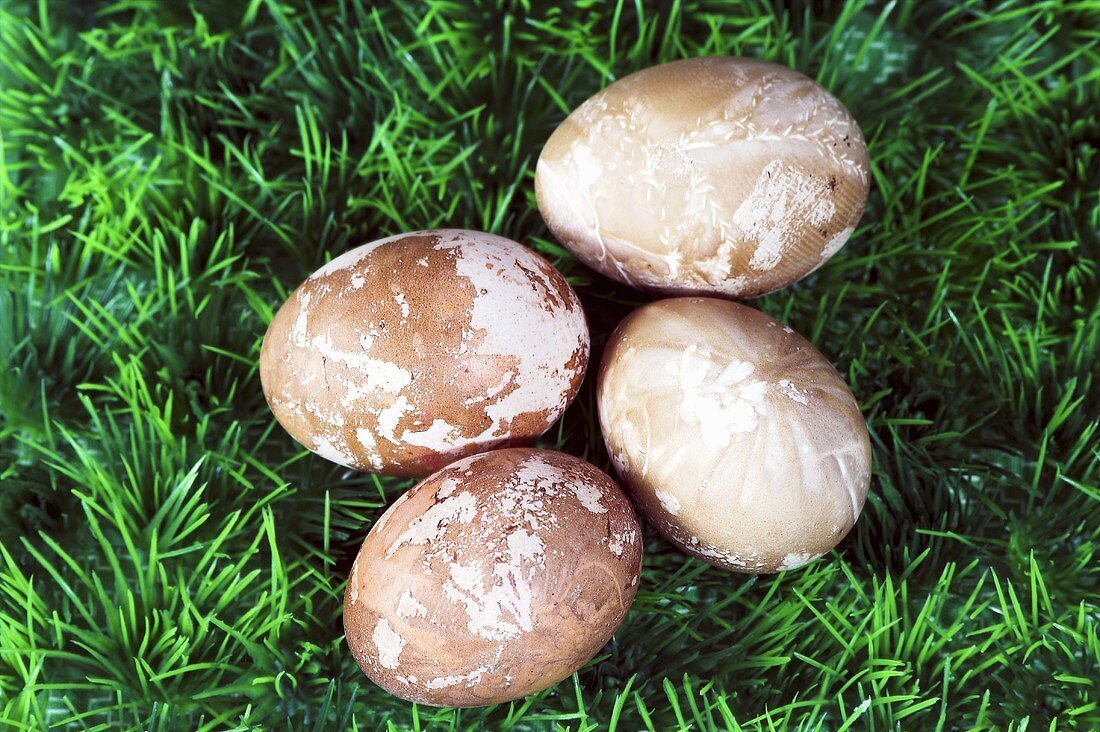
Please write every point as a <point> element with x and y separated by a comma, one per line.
<point>738,440</point>
<point>724,176</point>
<point>412,351</point>
<point>494,578</point>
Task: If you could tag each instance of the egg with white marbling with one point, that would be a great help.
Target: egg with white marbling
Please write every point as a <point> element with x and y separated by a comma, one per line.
<point>725,176</point>
<point>737,439</point>
<point>407,353</point>
<point>494,578</point>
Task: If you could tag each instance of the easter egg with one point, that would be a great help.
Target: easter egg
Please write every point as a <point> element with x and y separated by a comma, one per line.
<point>737,439</point>
<point>410,352</point>
<point>494,578</point>
<point>712,176</point>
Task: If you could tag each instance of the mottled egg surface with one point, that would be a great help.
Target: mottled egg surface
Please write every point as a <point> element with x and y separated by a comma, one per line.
<point>494,578</point>
<point>725,176</point>
<point>412,351</point>
<point>735,436</point>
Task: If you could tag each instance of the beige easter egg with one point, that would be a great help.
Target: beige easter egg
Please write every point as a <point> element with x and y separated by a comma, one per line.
<point>724,176</point>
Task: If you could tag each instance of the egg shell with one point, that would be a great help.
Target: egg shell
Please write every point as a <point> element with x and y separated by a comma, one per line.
<point>737,439</point>
<point>723,176</point>
<point>494,578</point>
<point>404,354</point>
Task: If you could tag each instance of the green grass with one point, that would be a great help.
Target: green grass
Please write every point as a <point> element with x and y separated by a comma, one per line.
<point>171,559</point>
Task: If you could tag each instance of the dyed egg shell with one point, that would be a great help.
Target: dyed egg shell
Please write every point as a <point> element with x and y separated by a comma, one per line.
<point>407,353</point>
<point>735,436</point>
<point>494,578</point>
<point>724,176</point>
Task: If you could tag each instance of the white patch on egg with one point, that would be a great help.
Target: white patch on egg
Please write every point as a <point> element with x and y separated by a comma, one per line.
<point>618,543</point>
<point>717,395</point>
<point>389,644</point>
<point>299,333</point>
<point>356,389</point>
<point>444,681</point>
<point>496,610</point>
<point>498,599</point>
<point>470,678</point>
<point>400,298</point>
<point>618,459</point>
<point>443,437</point>
<point>370,447</point>
<point>446,488</point>
<point>708,550</point>
<point>324,447</point>
<point>390,416</point>
<point>781,204</point>
<point>525,545</point>
<point>588,169</point>
<point>589,496</point>
<point>384,375</point>
<point>432,524</point>
<point>668,501</point>
<point>789,390</point>
<point>796,559</point>
<point>535,474</point>
<point>409,607</point>
<point>726,556</point>
<point>440,436</point>
<point>514,319</point>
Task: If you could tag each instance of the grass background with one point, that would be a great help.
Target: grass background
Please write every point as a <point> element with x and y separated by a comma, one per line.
<point>171,559</point>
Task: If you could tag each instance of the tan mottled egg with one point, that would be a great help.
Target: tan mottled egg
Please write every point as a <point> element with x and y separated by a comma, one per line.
<point>736,437</point>
<point>724,176</point>
<point>494,578</point>
<point>409,352</point>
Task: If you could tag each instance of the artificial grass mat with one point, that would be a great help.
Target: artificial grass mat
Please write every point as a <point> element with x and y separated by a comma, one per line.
<point>171,559</point>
